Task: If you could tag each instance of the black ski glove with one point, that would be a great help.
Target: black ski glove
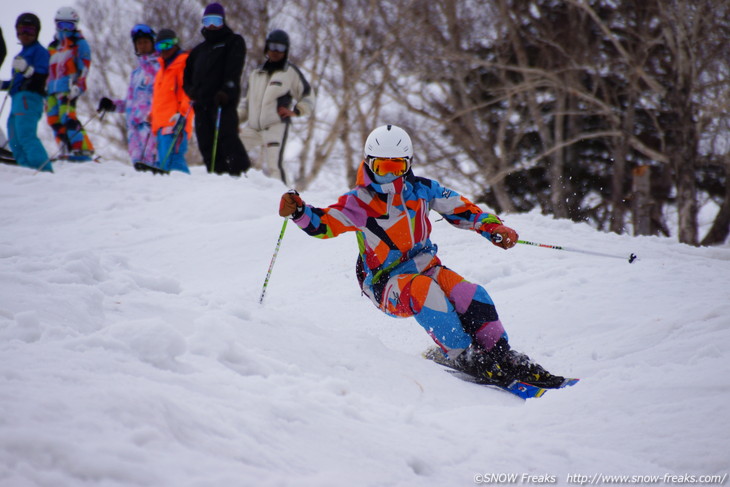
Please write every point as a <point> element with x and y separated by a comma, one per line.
<point>220,98</point>
<point>106,105</point>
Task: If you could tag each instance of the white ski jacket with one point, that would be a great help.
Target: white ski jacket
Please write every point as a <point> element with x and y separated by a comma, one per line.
<point>268,91</point>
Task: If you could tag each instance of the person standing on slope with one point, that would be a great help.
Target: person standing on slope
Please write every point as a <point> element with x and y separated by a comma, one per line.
<point>213,81</point>
<point>5,154</point>
<point>277,92</point>
<point>141,144</point>
<point>27,92</point>
<point>172,117</point>
<point>398,268</point>
<point>69,67</point>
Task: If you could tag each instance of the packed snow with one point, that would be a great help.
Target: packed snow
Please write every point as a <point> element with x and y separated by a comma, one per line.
<point>134,350</point>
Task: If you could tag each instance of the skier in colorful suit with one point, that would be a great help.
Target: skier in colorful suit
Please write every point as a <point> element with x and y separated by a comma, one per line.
<point>27,90</point>
<point>70,63</point>
<point>398,268</point>
<point>141,144</point>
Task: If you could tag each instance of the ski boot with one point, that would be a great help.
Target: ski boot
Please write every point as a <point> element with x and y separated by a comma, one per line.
<point>519,366</point>
<point>501,365</point>
<point>481,364</point>
<point>80,156</point>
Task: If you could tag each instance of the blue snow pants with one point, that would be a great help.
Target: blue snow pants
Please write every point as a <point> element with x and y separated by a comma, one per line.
<point>172,160</point>
<point>25,112</point>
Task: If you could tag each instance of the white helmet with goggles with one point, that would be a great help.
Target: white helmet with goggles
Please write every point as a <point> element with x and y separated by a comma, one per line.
<point>388,149</point>
<point>66,14</point>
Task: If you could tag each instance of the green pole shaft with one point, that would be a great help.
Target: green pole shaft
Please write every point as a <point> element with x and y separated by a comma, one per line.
<point>215,139</point>
<point>273,259</point>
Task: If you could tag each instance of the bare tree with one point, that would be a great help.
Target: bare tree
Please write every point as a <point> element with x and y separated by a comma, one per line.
<point>539,104</point>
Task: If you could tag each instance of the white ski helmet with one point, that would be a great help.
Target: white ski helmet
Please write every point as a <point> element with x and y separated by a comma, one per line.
<point>388,141</point>
<point>66,14</point>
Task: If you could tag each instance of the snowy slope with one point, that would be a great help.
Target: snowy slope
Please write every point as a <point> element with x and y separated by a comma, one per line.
<point>133,350</point>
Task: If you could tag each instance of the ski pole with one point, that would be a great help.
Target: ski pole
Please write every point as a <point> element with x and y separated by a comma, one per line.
<point>5,100</point>
<point>632,257</point>
<point>215,139</point>
<point>273,259</point>
<point>7,95</point>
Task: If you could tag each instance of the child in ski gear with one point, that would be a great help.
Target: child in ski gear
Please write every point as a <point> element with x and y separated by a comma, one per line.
<point>172,118</point>
<point>397,265</point>
<point>142,146</point>
<point>213,82</point>
<point>272,88</point>
<point>5,154</point>
<point>3,47</point>
<point>27,90</point>
<point>69,67</point>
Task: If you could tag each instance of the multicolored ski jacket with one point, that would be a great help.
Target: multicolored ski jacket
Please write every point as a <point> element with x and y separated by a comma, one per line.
<point>138,104</point>
<point>70,62</point>
<point>392,225</point>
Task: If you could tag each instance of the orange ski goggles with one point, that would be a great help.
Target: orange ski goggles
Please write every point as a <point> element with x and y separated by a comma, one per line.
<point>384,165</point>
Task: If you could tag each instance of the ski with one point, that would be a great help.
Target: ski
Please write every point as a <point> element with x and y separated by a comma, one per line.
<point>7,157</point>
<point>70,158</point>
<point>520,389</point>
<point>142,167</point>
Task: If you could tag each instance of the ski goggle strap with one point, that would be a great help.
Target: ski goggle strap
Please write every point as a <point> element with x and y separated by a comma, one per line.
<point>212,21</point>
<point>166,44</point>
<point>384,165</point>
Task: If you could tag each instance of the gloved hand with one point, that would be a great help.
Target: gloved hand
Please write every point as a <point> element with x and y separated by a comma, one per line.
<point>21,66</point>
<point>291,205</point>
<point>503,236</point>
<point>106,105</point>
<point>74,92</point>
<point>220,98</point>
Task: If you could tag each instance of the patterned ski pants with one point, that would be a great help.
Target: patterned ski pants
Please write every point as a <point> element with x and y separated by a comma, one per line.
<point>61,113</point>
<point>142,145</point>
<point>452,310</point>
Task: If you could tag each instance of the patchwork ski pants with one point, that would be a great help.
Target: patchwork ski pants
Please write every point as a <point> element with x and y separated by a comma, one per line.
<point>61,113</point>
<point>452,310</point>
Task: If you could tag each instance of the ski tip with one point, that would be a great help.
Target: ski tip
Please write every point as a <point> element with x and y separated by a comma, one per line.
<point>524,390</point>
<point>569,382</point>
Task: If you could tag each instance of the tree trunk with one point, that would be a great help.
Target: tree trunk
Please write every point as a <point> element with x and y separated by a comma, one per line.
<point>619,170</point>
<point>557,162</point>
<point>617,186</point>
<point>641,200</point>
<point>721,226</point>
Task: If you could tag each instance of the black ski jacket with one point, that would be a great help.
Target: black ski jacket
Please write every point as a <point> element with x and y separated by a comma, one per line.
<point>216,64</point>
